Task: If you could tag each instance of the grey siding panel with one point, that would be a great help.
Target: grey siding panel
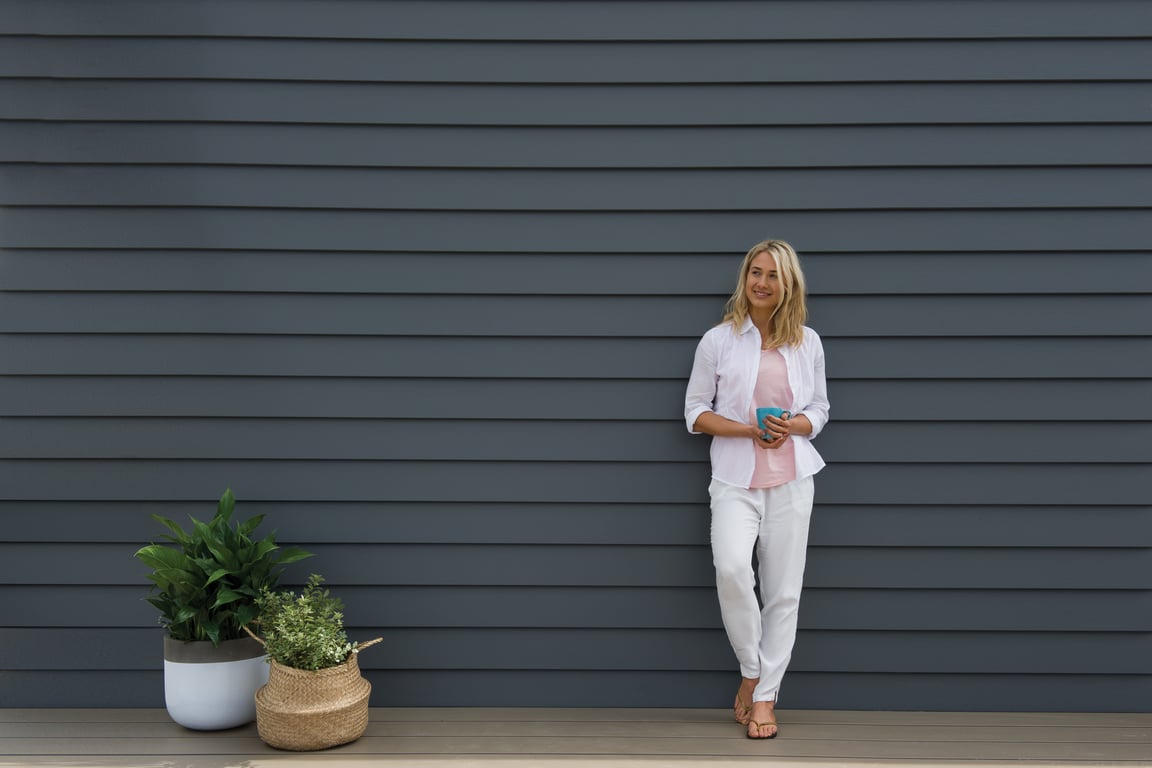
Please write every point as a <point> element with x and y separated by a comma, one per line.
<point>858,610</point>
<point>574,62</point>
<point>363,261</point>
<point>487,688</point>
<point>558,358</point>
<point>553,481</point>
<point>846,524</point>
<point>643,566</point>
<point>662,146</point>
<point>563,274</point>
<point>653,650</point>
<point>1034,612</point>
<point>575,20</point>
<point>436,439</point>
<point>1073,229</point>
<point>599,399</point>
<point>564,316</point>
<point>576,189</point>
<point>574,104</point>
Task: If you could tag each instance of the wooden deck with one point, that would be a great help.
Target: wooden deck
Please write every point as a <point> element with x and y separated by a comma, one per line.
<point>606,738</point>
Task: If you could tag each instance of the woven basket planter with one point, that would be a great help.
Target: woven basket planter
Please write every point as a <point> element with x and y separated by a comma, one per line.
<point>300,710</point>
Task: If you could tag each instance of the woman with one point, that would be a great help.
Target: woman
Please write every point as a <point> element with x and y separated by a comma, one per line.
<point>761,355</point>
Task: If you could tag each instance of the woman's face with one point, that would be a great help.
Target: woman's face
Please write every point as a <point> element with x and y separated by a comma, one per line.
<point>762,287</point>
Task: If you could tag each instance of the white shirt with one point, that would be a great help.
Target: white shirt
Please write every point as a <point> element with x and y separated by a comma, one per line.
<point>722,380</point>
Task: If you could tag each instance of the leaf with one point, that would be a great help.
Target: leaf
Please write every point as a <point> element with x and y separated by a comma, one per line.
<point>292,555</point>
<point>183,615</point>
<point>161,604</point>
<point>202,531</point>
<point>250,525</point>
<point>226,557</point>
<point>227,596</point>
<point>226,504</point>
<point>175,577</point>
<point>179,536</point>
<point>160,556</point>
<point>263,547</point>
<point>246,613</point>
<point>247,591</point>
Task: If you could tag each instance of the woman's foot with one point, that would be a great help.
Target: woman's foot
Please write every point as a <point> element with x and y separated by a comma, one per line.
<point>742,707</point>
<point>762,720</point>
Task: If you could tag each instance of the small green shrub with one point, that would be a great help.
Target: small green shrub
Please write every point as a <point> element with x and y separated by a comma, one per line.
<point>305,631</point>
<point>207,584</point>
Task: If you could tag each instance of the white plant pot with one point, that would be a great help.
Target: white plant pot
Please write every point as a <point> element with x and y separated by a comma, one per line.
<point>210,688</point>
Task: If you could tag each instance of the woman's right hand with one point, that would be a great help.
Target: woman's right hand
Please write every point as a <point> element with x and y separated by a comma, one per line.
<point>769,435</point>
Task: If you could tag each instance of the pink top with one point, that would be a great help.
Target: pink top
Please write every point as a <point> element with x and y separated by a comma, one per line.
<point>773,466</point>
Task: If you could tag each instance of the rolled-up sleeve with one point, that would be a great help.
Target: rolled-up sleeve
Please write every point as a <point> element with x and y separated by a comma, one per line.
<point>701,394</point>
<point>818,407</point>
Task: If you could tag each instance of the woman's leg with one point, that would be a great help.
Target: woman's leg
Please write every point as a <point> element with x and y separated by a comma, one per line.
<point>735,526</point>
<point>782,552</point>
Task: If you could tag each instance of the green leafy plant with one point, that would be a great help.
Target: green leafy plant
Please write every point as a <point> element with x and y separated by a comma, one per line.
<point>206,585</point>
<point>304,630</point>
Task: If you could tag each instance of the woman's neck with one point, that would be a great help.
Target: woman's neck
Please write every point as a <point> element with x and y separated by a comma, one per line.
<point>765,323</point>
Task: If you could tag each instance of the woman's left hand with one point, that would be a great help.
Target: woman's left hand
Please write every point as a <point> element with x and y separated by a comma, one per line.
<point>778,430</point>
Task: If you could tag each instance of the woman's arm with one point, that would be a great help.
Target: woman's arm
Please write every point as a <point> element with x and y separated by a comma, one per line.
<point>714,424</point>
<point>700,397</point>
<point>799,425</point>
<point>815,413</point>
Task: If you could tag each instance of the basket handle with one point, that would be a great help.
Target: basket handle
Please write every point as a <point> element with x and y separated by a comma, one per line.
<point>254,636</point>
<point>359,646</point>
<point>366,644</point>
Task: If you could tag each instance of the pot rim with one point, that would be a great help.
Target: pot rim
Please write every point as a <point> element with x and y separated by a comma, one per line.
<point>339,669</point>
<point>203,652</point>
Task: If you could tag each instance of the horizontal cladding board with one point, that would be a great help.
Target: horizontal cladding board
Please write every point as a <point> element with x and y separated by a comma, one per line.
<point>637,650</point>
<point>571,232</point>
<point>711,61</point>
<point>604,731</point>
<point>971,692</point>
<point>633,20</point>
<point>582,688</point>
<point>630,566</point>
<point>517,399</point>
<point>456,104</point>
<point>424,146</point>
<point>583,440</point>
<point>560,482</point>
<point>681,523</point>
<point>990,525</point>
<point>695,190</point>
<point>827,609</point>
<point>560,274</point>
<point>555,358</point>
<point>564,316</point>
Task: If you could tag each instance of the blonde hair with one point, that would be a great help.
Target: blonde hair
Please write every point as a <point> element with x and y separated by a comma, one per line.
<point>792,311</point>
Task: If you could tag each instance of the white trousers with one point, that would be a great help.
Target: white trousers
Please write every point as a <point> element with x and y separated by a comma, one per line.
<point>774,521</point>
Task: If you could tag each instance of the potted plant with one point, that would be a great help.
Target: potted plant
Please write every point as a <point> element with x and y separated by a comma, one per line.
<point>315,697</point>
<point>205,584</point>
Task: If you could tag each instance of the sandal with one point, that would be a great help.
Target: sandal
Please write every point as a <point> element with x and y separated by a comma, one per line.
<point>742,710</point>
<point>758,726</point>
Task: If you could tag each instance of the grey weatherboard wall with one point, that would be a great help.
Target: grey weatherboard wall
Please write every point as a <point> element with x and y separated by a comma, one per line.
<point>422,281</point>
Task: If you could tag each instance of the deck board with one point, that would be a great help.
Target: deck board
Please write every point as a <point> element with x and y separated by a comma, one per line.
<point>496,738</point>
<point>686,730</point>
